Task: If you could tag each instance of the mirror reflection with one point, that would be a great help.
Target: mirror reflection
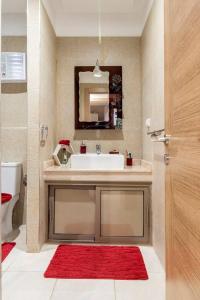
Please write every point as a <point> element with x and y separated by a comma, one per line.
<point>93,97</point>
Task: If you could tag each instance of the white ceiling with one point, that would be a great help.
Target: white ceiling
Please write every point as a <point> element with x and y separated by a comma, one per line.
<point>13,6</point>
<point>80,17</point>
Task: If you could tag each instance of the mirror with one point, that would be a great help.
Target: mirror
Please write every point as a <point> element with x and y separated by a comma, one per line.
<point>93,97</point>
<point>98,100</point>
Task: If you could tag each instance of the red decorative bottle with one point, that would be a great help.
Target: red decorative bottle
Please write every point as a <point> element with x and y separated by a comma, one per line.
<point>83,148</point>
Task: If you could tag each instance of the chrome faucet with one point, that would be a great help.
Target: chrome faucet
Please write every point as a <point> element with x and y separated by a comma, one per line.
<point>98,149</point>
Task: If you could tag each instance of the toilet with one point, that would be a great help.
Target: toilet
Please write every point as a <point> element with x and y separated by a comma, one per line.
<point>11,173</point>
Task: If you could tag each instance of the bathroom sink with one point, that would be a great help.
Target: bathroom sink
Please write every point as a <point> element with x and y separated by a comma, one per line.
<point>92,161</point>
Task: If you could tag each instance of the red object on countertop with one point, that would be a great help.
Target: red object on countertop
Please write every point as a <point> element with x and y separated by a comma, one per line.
<point>6,248</point>
<point>5,198</point>
<point>64,142</point>
<point>97,262</point>
<point>83,149</point>
<point>129,161</point>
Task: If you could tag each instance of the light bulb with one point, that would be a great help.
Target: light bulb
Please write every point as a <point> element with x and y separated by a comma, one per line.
<point>97,71</point>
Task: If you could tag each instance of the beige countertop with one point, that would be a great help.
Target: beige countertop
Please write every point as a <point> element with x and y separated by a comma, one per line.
<point>141,172</point>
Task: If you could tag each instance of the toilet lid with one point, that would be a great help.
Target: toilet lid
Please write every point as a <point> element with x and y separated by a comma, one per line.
<point>5,197</point>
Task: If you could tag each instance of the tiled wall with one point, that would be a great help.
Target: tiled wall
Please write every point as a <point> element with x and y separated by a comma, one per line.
<point>33,154</point>
<point>14,123</point>
<point>47,106</point>
<point>123,52</point>
<point>137,105</point>
<point>41,110</point>
<point>153,107</point>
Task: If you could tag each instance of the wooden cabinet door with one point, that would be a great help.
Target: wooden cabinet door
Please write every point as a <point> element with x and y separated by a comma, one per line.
<point>182,97</point>
<point>122,214</point>
<point>72,212</point>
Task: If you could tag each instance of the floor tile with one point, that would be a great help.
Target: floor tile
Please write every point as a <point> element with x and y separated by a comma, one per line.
<point>151,260</point>
<point>84,289</point>
<point>34,262</point>
<point>84,285</point>
<point>152,289</point>
<point>26,285</point>
<point>14,255</point>
<point>82,296</point>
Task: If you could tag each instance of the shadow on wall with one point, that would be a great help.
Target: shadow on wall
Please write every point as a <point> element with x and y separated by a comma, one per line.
<point>13,88</point>
<point>19,212</point>
<point>98,135</point>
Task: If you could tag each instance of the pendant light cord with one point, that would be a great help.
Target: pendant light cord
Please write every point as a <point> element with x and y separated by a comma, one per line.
<point>99,22</point>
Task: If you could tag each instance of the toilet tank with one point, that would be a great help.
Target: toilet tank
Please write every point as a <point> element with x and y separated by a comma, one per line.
<point>11,173</point>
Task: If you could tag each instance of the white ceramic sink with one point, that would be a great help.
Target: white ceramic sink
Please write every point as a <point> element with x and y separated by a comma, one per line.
<point>93,161</point>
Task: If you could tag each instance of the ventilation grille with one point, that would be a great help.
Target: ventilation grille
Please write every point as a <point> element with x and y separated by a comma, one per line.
<point>13,67</point>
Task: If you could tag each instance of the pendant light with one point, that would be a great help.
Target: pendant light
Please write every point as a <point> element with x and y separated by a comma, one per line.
<point>97,71</point>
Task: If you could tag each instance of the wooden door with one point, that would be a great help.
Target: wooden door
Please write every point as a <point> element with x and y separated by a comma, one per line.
<point>182,96</point>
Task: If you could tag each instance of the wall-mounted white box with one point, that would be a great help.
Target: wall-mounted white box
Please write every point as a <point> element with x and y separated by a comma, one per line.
<point>13,67</point>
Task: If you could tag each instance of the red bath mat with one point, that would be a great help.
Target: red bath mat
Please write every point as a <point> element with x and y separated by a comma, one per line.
<point>6,248</point>
<point>97,262</point>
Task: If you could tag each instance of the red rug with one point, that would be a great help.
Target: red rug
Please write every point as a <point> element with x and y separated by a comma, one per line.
<point>6,248</point>
<point>97,262</point>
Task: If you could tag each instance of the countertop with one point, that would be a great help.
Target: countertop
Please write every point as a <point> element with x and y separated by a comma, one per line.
<point>140,172</point>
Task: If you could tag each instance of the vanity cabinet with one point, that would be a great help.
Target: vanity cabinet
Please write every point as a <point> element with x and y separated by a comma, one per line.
<point>99,213</point>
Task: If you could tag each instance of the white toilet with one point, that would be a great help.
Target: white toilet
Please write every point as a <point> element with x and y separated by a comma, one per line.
<point>11,173</point>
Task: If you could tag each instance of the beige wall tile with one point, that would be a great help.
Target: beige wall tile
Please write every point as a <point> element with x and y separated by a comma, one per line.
<point>153,107</point>
<point>14,144</point>
<point>14,124</point>
<point>14,110</point>
<point>33,50</point>
<point>47,107</point>
<point>114,51</point>
<point>41,110</point>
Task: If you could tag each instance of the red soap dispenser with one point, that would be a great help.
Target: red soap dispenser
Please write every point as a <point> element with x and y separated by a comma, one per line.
<point>129,160</point>
<point>83,148</point>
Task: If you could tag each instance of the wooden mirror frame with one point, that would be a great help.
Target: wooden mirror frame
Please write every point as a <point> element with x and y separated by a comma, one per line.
<point>115,97</point>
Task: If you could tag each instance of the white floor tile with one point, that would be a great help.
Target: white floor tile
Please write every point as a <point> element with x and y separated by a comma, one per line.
<point>152,289</point>
<point>12,257</point>
<point>84,285</point>
<point>46,247</point>
<point>151,260</point>
<point>32,262</point>
<point>84,289</point>
<point>26,286</point>
<point>23,279</point>
<point>82,296</point>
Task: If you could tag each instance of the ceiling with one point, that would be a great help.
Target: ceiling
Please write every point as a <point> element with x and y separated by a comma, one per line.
<point>80,17</point>
<point>13,6</point>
